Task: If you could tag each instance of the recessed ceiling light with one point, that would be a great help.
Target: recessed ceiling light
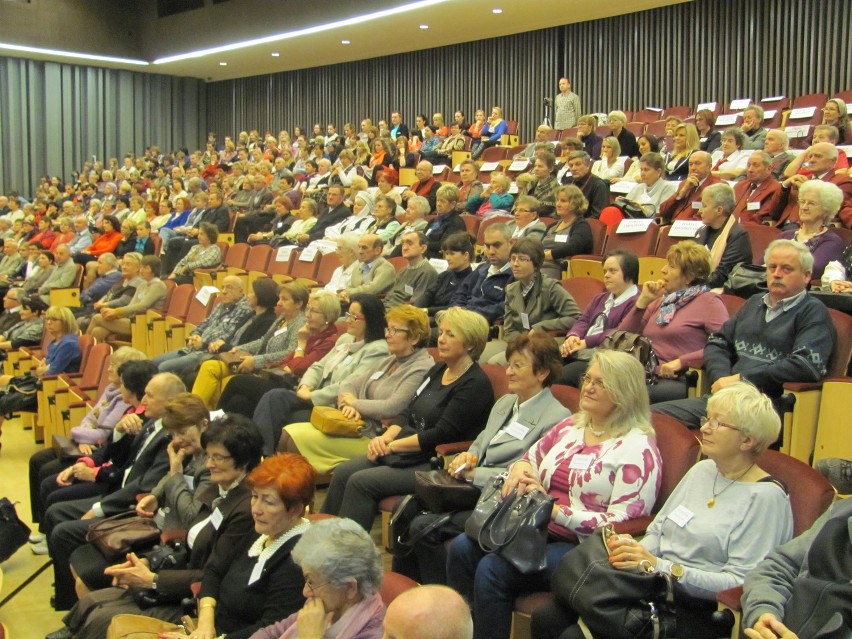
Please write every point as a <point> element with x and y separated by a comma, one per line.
<point>345,42</point>
<point>223,64</point>
<point>496,10</point>
<point>275,54</point>
<point>424,26</point>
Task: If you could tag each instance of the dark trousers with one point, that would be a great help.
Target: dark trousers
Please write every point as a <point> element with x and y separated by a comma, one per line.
<point>274,411</point>
<point>251,223</point>
<point>43,464</point>
<point>65,533</point>
<point>176,250</point>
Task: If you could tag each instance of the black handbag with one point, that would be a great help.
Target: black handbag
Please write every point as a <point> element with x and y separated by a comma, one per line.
<point>440,492</point>
<point>634,210</point>
<point>614,603</point>
<point>13,532</point>
<point>746,280</point>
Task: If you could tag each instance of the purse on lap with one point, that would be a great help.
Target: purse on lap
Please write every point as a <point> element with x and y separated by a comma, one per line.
<point>333,422</point>
<point>122,533</point>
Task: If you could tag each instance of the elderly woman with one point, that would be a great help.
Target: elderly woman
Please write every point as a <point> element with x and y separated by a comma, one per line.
<point>358,349</point>
<point>725,498</point>
<point>533,366</point>
<point>414,219</point>
<point>30,329</point>
<point>602,466</point>
<point>378,392</point>
<point>677,313</point>
<point>685,143</point>
<point>493,199</point>
<point>526,222</point>
<point>205,254</point>
<point>231,448</point>
<point>46,263</point>
<point>343,572</point>
<point>731,158</point>
<point>819,202</point>
<point>362,215</point>
<point>602,316</point>
<point>469,185</point>
<point>451,404</point>
<point>306,219</point>
<point>727,241</point>
<point>446,222</point>
<point>533,302</point>
<point>282,222</point>
<point>347,253</point>
<point>708,139</point>
<point>279,341</point>
<point>384,223</point>
<point>315,339</point>
<point>611,165</point>
<point>617,121</point>
<point>649,194</point>
<point>570,234</point>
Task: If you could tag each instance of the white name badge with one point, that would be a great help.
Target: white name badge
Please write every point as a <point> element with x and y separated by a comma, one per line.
<point>696,205</point>
<point>681,515</point>
<point>216,518</point>
<point>376,375</point>
<point>581,462</point>
<point>525,321</point>
<point>256,573</point>
<point>422,386</point>
<point>346,361</point>
<point>517,430</point>
<point>753,206</point>
<point>409,290</point>
<point>280,331</point>
<point>561,237</point>
<point>190,481</point>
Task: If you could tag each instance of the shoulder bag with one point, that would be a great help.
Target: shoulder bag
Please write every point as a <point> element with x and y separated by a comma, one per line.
<point>746,280</point>
<point>636,345</point>
<point>634,210</point>
<point>440,492</point>
<point>118,535</point>
<point>13,532</point>
<point>333,422</point>
<point>140,627</point>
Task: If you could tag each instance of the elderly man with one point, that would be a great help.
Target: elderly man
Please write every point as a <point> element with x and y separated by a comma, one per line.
<point>425,186</point>
<point>686,201</point>
<point>11,262</point>
<point>752,127</point>
<point>775,145</point>
<point>580,175</point>
<point>782,336</point>
<point>374,274</point>
<point>428,612</point>
<point>256,215</point>
<point>484,290</point>
<point>726,240</point>
<point>109,274</point>
<point>758,196</point>
<point>66,523</point>
<point>567,106</point>
<point>11,310</point>
<point>413,280</point>
<point>819,160</point>
<point>542,139</point>
<point>217,329</point>
<point>62,276</point>
<point>334,213</point>
<point>540,183</point>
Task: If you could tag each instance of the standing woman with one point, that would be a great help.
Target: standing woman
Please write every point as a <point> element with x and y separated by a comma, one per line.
<point>570,235</point>
<point>610,165</point>
<point>685,143</point>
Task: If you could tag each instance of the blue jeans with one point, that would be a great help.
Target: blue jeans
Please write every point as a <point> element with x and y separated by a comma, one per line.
<point>491,583</point>
<point>176,361</point>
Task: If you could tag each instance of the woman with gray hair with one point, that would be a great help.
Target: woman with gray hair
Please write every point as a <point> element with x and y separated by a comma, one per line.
<point>343,573</point>
<point>414,219</point>
<point>722,519</point>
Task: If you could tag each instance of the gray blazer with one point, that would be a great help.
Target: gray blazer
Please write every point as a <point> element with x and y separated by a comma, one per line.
<point>534,230</point>
<point>61,277</point>
<point>549,307</point>
<point>379,280</point>
<point>539,414</point>
<point>327,388</point>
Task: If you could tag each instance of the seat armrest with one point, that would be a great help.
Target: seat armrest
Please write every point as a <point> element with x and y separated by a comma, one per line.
<point>634,527</point>
<point>453,448</point>
<point>801,387</point>
<point>731,597</point>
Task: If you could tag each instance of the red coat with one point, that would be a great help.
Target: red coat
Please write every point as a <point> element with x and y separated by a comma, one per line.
<point>316,347</point>
<point>674,209</point>
<point>767,195</point>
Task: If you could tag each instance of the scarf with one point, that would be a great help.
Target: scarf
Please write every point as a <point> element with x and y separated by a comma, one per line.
<point>721,242</point>
<point>351,623</point>
<point>675,301</point>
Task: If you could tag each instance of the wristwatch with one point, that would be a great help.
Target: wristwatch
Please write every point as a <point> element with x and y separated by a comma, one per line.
<point>676,571</point>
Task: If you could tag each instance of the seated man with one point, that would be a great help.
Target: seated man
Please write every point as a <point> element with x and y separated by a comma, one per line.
<point>118,295</point>
<point>540,183</point>
<point>726,240</point>
<point>775,145</point>
<point>457,250</point>
<point>108,271</point>
<point>527,222</point>
<point>63,274</point>
<point>686,201</point>
<point>425,186</point>
<point>11,262</point>
<point>335,212</point>
<point>257,214</point>
<point>782,336</point>
<point>417,276</point>
<point>758,196</point>
<point>484,290</point>
<point>230,314</point>
<point>752,127</point>
<point>428,612</point>
<point>802,587</point>
<point>595,189</point>
<point>542,140</point>
<point>374,274</point>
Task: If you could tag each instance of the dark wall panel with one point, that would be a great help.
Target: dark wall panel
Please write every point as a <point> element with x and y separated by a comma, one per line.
<point>684,54</point>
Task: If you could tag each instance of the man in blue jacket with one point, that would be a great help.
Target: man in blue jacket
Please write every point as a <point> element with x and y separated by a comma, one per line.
<point>484,290</point>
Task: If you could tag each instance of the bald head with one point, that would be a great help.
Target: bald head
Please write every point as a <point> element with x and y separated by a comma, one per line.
<point>700,164</point>
<point>428,612</point>
<point>232,290</point>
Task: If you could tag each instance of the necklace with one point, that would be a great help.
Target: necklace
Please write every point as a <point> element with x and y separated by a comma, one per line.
<point>597,433</point>
<point>449,377</point>
<point>712,501</point>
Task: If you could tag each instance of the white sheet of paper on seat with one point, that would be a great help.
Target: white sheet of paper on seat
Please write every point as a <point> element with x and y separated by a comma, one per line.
<point>650,108</point>
<point>685,228</point>
<point>309,253</point>
<point>204,293</point>
<point>283,253</point>
<point>800,131</point>
<point>768,115</point>
<point>489,166</point>
<point>519,165</point>
<point>739,104</point>
<point>774,98</point>
<point>438,264</point>
<point>710,106</point>
<point>634,226</point>
<point>727,119</point>
<point>802,112</point>
<point>438,168</point>
<point>457,168</point>
<point>325,246</point>
<point>624,187</point>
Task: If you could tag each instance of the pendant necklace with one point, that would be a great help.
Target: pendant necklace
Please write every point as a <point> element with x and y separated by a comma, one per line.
<point>712,501</point>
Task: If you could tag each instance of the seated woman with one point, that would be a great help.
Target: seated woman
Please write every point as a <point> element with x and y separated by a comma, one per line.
<point>279,225</point>
<point>384,223</point>
<point>105,242</point>
<point>533,366</point>
<point>205,254</point>
<point>469,184</point>
<point>603,467</point>
<point>649,194</point>
<point>306,219</point>
<point>376,393</point>
<point>342,570</point>
<point>610,165</point>
<point>404,158</point>
<point>127,243</point>
<point>490,134</point>
<point>416,210</point>
<point>46,263</point>
<point>44,235</point>
<point>685,143</point>
<point>570,235</point>
<point>617,121</point>
<point>727,241</point>
<point>387,181</point>
<point>526,222</point>
<point>30,329</point>
<point>381,158</point>
<point>232,446</point>
<point>143,245</point>
<point>647,143</point>
<point>150,294</point>
<point>677,313</point>
<point>267,351</point>
<point>533,302</point>
<point>446,222</point>
<point>708,139</point>
<point>601,316</point>
<point>452,404</point>
<point>314,340</point>
<point>727,499</point>
<point>730,159</point>
<point>358,349</point>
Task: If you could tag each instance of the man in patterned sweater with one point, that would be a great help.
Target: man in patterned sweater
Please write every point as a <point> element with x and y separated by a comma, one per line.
<point>783,336</point>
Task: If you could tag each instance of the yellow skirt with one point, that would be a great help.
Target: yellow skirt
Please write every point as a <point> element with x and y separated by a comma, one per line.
<point>325,452</point>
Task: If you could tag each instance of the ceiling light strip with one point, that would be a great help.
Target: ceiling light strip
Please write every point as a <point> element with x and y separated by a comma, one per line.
<point>70,54</point>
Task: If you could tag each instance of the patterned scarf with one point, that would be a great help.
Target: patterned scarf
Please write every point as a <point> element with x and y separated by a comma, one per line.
<point>674,301</point>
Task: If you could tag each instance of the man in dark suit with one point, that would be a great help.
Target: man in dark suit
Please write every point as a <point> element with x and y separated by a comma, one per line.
<point>398,128</point>
<point>335,212</point>
<point>215,213</point>
<point>758,196</point>
<point>595,189</point>
<point>66,523</point>
<point>685,203</point>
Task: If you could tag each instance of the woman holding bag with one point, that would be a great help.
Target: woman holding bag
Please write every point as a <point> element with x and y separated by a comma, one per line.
<point>602,466</point>
<point>722,519</point>
<point>517,421</point>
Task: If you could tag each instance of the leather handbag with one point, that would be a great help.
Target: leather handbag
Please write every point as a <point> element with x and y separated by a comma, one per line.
<point>13,532</point>
<point>232,360</point>
<point>140,627</point>
<point>486,507</point>
<point>621,604</point>
<point>746,280</point>
<point>636,345</point>
<point>120,534</point>
<point>440,492</point>
<point>65,449</point>
<point>635,210</point>
<point>333,422</point>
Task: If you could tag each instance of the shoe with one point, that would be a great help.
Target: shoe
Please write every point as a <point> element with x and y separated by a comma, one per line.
<point>838,472</point>
<point>40,548</point>
<point>37,538</point>
<point>63,633</point>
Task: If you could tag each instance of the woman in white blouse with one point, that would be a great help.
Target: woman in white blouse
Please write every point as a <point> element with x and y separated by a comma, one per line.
<point>610,165</point>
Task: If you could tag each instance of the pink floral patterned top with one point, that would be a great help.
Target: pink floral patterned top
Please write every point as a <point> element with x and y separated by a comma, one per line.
<point>613,481</point>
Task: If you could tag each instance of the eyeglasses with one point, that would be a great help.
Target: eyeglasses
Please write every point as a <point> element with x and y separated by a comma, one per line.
<point>218,459</point>
<point>713,424</point>
<point>351,317</point>
<point>808,204</point>
<point>314,587</point>
<point>392,330</point>
<point>597,383</point>
<point>520,259</point>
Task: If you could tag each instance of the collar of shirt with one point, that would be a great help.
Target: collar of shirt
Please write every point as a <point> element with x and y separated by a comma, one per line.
<point>493,270</point>
<point>782,306</point>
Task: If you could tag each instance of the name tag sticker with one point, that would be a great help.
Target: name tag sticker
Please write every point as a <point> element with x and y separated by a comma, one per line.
<point>280,331</point>
<point>525,320</point>
<point>581,462</point>
<point>422,386</point>
<point>561,237</point>
<point>696,205</point>
<point>517,430</point>
<point>409,290</point>
<point>346,361</point>
<point>753,206</point>
<point>681,515</point>
<point>216,518</point>
<point>190,481</point>
<point>256,572</point>
<point>376,375</point>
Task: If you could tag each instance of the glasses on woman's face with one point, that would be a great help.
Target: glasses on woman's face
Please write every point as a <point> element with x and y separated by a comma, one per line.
<point>351,317</point>
<point>713,424</point>
<point>218,459</point>
<point>312,586</point>
<point>597,383</point>
<point>392,330</point>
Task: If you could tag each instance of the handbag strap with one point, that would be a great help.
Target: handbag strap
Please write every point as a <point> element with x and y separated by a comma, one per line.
<point>427,530</point>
